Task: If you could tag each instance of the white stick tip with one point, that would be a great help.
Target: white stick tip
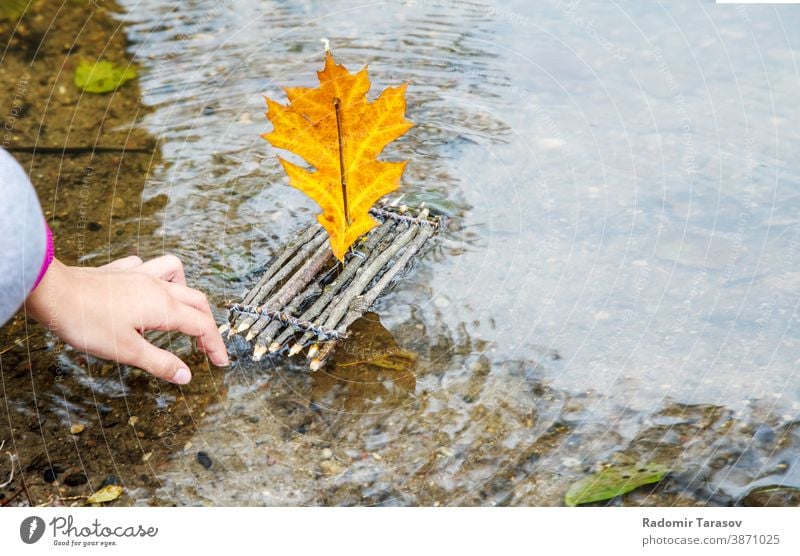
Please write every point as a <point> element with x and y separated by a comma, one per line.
<point>259,352</point>
<point>327,44</point>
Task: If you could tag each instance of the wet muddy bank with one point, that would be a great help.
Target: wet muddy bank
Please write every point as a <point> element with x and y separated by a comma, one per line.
<point>88,161</point>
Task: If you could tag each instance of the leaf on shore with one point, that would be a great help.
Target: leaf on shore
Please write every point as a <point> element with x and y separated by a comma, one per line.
<point>612,482</point>
<point>311,127</point>
<point>101,76</point>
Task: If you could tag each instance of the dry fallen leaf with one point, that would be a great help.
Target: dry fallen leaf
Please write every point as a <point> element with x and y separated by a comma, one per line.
<point>106,494</point>
<point>336,130</point>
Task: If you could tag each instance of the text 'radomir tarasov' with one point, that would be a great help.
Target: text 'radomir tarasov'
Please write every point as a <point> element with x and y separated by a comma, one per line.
<point>697,522</point>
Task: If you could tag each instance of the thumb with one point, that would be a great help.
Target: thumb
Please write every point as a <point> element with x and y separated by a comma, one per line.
<point>159,362</point>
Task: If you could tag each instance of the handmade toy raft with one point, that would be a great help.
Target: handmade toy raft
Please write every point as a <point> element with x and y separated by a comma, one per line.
<point>307,299</point>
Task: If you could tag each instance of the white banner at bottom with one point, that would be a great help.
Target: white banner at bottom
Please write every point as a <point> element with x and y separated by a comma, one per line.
<point>388,531</point>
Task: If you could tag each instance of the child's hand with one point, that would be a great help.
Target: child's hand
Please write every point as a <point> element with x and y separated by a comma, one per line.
<point>105,310</point>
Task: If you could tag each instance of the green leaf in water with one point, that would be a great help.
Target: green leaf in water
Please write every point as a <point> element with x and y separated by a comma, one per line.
<point>102,76</point>
<point>613,481</point>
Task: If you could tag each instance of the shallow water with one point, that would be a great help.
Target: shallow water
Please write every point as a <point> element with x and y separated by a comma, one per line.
<point>619,280</point>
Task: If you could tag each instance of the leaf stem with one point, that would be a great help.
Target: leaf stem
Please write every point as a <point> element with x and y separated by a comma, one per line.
<point>337,104</point>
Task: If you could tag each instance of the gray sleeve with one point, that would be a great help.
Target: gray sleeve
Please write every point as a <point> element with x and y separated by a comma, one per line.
<point>23,236</point>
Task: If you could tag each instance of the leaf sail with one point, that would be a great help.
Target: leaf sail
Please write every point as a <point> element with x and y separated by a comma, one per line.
<point>311,127</point>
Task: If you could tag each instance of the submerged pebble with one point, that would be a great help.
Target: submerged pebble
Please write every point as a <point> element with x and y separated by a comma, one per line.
<point>204,460</point>
<point>775,496</point>
<point>75,479</point>
<point>332,467</point>
<point>110,480</point>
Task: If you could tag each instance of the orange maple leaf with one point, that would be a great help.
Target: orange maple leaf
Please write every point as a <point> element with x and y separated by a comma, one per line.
<point>337,131</point>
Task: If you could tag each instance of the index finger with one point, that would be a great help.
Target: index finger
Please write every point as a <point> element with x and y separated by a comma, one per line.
<point>166,267</point>
<point>194,322</point>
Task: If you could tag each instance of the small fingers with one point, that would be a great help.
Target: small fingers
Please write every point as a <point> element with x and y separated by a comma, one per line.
<point>125,263</point>
<point>190,296</point>
<point>156,361</point>
<point>166,267</point>
<point>194,322</point>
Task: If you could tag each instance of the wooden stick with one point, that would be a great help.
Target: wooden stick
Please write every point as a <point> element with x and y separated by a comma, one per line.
<point>263,339</point>
<point>281,257</point>
<point>293,286</point>
<point>341,304</point>
<point>337,107</point>
<point>300,257</point>
<point>363,279</point>
<point>349,271</point>
<point>394,215</point>
<point>425,232</point>
<point>375,291</point>
<point>300,239</point>
<point>298,346</point>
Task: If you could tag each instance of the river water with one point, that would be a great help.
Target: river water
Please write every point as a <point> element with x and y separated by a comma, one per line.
<point>618,281</point>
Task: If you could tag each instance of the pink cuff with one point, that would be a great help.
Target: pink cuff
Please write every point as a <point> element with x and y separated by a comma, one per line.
<point>48,256</point>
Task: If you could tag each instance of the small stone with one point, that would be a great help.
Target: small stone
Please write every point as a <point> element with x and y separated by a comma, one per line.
<point>327,453</point>
<point>147,456</point>
<point>254,419</point>
<point>377,456</point>
<point>118,203</point>
<point>187,446</point>
<point>775,496</point>
<point>77,428</point>
<point>441,302</point>
<point>50,475</point>
<point>764,434</point>
<point>204,460</point>
<point>110,480</point>
<point>133,420</point>
<point>331,467</point>
<point>75,479</point>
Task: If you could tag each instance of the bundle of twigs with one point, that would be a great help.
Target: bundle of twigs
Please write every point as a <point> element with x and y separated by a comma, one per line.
<point>305,298</point>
